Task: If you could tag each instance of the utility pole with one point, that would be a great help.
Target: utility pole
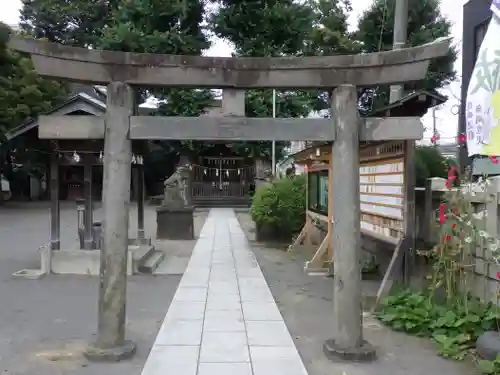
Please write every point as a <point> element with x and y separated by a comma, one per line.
<point>434,128</point>
<point>399,41</point>
<point>273,160</point>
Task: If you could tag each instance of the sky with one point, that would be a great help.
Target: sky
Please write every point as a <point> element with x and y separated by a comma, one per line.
<point>446,117</point>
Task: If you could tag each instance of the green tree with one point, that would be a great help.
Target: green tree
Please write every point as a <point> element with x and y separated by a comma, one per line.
<point>329,36</point>
<point>152,26</point>
<point>266,28</point>
<point>429,162</point>
<point>280,28</point>
<point>23,95</point>
<point>330,32</point>
<point>75,22</point>
<point>170,28</point>
<point>425,24</point>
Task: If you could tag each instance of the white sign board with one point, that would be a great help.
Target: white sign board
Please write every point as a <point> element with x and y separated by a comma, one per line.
<point>381,186</point>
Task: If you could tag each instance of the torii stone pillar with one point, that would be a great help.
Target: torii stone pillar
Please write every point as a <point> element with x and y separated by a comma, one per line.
<point>111,344</point>
<point>347,342</point>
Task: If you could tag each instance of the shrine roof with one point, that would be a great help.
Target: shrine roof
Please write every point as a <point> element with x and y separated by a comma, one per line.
<point>79,102</point>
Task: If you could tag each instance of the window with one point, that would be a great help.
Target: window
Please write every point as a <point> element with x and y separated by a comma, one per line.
<point>312,187</point>
<point>479,33</point>
<point>318,191</point>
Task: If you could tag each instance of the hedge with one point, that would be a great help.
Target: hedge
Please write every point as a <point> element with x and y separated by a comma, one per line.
<point>280,206</point>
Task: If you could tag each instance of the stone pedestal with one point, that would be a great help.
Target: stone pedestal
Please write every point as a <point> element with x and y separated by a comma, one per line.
<point>175,223</point>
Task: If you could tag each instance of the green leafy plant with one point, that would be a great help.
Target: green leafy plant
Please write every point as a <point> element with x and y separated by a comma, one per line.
<point>453,328</point>
<point>489,367</point>
<point>281,205</point>
<point>446,312</point>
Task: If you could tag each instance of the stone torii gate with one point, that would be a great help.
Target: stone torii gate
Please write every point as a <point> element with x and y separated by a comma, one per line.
<point>122,71</point>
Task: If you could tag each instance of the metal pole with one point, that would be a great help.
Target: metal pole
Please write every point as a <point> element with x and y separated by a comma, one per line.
<point>273,161</point>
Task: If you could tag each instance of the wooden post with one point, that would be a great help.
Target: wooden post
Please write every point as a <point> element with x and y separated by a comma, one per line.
<point>308,224</point>
<point>428,222</point>
<point>330,211</point>
<point>409,212</point>
<point>55,222</point>
<point>347,342</point>
<point>87,196</point>
<point>140,202</point>
<point>111,344</point>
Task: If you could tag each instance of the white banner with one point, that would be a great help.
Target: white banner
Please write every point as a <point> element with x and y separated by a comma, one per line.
<point>482,108</point>
<point>495,7</point>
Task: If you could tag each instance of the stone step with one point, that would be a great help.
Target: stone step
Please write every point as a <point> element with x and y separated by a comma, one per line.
<point>140,254</point>
<point>217,202</point>
<point>150,264</point>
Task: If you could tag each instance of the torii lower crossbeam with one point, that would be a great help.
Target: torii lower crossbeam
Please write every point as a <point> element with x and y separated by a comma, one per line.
<point>228,128</point>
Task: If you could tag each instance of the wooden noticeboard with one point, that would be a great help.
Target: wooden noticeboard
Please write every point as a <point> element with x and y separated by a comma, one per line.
<point>382,191</point>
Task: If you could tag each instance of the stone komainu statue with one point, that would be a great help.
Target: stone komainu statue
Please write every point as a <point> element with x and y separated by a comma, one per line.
<point>176,188</point>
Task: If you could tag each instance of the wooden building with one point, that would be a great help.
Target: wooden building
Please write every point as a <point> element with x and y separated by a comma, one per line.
<point>383,187</point>
<point>219,177</point>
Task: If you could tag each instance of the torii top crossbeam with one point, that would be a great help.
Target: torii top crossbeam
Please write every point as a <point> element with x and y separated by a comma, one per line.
<point>142,69</point>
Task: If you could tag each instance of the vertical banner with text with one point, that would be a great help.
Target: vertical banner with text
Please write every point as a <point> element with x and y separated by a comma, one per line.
<point>482,107</point>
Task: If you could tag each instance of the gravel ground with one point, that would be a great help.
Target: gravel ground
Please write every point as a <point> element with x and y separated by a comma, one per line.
<point>306,305</point>
<point>46,324</point>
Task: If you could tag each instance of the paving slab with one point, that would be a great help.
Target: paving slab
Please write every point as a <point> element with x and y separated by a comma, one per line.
<point>224,307</point>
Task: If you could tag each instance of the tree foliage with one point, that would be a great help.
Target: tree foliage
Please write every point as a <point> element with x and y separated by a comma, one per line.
<point>23,94</point>
<point>425,24</point>
<point>329,36</point>
<point>266,28</point>
<point>429,162</point>
<point>151,26</point>
<point>271,28</point>
<point>75,22</point>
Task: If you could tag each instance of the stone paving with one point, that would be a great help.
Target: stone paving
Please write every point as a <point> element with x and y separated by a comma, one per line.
<point>223,319</point>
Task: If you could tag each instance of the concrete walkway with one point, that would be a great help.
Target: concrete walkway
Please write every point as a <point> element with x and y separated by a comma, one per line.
<point>223,319</point>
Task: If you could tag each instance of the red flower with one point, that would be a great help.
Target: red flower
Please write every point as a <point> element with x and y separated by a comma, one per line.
<point>433,139</point>
<point>493,159</point>
<point>452,176</point>
<point>498,275</point>
<point>454,226</point>
<point>447,238</point>
<point>462,138</point>
<point>442,215</point>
